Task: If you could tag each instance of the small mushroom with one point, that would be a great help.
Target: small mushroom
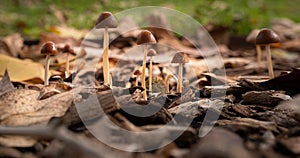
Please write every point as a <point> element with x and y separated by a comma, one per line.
<point>151,53</point>
<point>266,37</point>
<point>106,20</point>
<point>145,38</point>
<point>137,73</point>
<point>167,82</point>
<point>69,50</point>
<point>251,38</point>
<point>48,49</point>
<point>180,58</point>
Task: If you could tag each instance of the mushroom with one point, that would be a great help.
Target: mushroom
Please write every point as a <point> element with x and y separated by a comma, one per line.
<point>48,49</point>
<point>251,38</point>
<point>151,53</point>
<point>106,20</point>
<point>145,38</point>
<point>180,58</point>
<point>69,50</point>
<point>167,81</point>
<point>266,37</point>
<point>137,73</point>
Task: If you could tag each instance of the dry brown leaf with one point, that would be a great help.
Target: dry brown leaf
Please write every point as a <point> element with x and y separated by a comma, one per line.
<point>64,31</point>
<point>21,70</point>
<point>21,107</point>
<point>17,141</point>
<point>5,84</point>
<point>11,45</point>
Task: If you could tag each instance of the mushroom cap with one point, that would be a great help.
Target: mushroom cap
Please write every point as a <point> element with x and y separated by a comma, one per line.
<point>267,36</point>
<point>151,52</point>
<point>49,48</point>
<point>180,57</point>
<point>145,37</point>
<point>68,49</point>
<point>251,38</point>
<point>106,19</point>
<point>137,72</point>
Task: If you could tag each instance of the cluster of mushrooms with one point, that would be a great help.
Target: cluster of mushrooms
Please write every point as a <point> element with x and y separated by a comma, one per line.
<point>105,21</point>
<point>265,37</point>
<point>49,49</point>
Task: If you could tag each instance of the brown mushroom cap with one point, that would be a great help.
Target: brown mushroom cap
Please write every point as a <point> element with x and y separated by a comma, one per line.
<point>137,72</point>
<point>106,19</point>
<point>68,49</point>
<point>145,37</point>
<point>180,57</point>
<point>267,36</point>
<point>49,48</point>
<point>151,52</point>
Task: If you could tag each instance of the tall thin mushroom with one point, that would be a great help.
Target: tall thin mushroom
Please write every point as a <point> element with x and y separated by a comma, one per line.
<point>106,20</point>
<point>68,50</point>
<point>145,38</point>
<point>151,53</point>
<point>167,82</point>
<point>180,58</point>
<point>251,38</point>
<point>48,49</point>
<point>266,37</point>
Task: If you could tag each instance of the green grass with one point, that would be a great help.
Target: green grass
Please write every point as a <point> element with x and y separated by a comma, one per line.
<point>32,17</point>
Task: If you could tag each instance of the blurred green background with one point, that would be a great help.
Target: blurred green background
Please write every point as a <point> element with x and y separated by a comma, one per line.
<point>32,17</point>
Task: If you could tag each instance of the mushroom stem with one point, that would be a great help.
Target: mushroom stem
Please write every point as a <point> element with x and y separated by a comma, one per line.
<point>167,82</point>
<point>150,75</point>
<point>105,58</point>
<point>47,64</point>
<point>179,84</point>
<point>269,61</point>
<point>143,72</point>
<point>67,66</point>
<point>258,50</point>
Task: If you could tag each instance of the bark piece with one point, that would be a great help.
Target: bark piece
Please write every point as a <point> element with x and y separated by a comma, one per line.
<point>267,98</point>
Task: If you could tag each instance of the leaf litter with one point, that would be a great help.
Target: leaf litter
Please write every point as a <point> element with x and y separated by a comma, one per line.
<point>259,118</point>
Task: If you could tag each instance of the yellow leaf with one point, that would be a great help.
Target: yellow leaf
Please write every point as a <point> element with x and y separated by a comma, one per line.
<point>21,70</point>
<point>68,32</point>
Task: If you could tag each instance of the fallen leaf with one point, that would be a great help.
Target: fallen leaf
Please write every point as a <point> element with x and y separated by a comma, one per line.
<point>21,107</point>
<point>11,45</point>
<point>17,141</point>
<point>5,84</point>
<point>21,70</point>
<point>68,32</point>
